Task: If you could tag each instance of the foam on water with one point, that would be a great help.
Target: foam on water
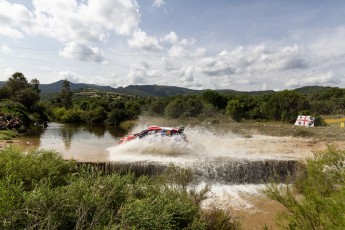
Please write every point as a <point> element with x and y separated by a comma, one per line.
<point>206,146</point>
<point>235,196</point>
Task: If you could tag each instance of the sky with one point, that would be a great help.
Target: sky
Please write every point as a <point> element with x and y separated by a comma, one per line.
<point>244,45</point>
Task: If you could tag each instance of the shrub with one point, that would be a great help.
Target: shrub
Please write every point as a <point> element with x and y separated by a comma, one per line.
<point>68,115</point>
<point>34,166</point>
<point>216,218</point>
<point>7,134</point>
<point>176,211</point>
<point>40,190</point>
<point>317,199</point>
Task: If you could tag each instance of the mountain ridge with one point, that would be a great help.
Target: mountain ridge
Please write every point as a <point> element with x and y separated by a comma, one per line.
<point>160,90</point>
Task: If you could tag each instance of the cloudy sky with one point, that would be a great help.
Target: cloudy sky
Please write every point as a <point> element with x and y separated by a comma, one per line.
<point>221,44</point>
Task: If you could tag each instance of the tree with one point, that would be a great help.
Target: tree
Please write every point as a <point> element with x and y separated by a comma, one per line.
<point>193,106</point>
<point>65,95</point>
<point>214,98</point>
<point>19,90</point>
<point>235,109</point>
<point>285,105</point>
<point>35,84</point>
<point>175,108</point>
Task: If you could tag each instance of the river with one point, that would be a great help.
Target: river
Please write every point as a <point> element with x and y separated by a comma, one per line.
<point>74,141</point>
<point>234,166</point>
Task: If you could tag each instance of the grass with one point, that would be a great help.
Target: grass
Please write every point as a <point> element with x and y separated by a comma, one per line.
<point>40,190</point>
<point>330,121</point>
<point>7,134</point>
<point>316,199</point>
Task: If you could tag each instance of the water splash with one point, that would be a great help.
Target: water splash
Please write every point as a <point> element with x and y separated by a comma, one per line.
<point>224,196</point>
<point>217,156</point>
<point>203,144</point>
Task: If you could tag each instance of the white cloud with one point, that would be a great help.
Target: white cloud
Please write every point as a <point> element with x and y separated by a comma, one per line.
<point>141,40</point>
<point>142,73</point>
<point>118,15</point>
<point>158,3</point>
<point>71,76</point>
<point>215,67</point>
<point>260,59</point>
<point>327,78</point>
<point>15,20</point>
<point>5,49</point>
<point>182,48</point>
<point>170,37</point>
<point>81,52</point>
<point>8,73</point>
<point>325,42</point>
<point>69,20</point>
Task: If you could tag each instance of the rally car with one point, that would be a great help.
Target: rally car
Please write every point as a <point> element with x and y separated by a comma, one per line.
<point>162,133</point>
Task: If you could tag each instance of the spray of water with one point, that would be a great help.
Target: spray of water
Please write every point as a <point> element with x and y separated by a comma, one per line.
<point>205,146</point>
<point>202,144</point>
<point>236,196</point>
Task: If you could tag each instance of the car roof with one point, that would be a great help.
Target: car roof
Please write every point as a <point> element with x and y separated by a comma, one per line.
<point>160,128</point>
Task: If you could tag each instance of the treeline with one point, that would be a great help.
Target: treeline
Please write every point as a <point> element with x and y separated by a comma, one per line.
<point>22,98</point>
<point>277,106</point>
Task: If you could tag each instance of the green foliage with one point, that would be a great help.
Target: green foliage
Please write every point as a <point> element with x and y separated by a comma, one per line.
<point>184,106</point>
<point>118,112</point>
<point>317,199</point>
<point>19,90</point>
<point>7,134</point>
<point>193,107</point>
<point>235,109</point>
<point>215,99</point>
<point>11,199</point>
<point>175,108</point>
<point>34,166</point>
<point>15,109</point>
<point>65,95</point>
<point>40,190</point>
<point>20,100</point>
<point>133,109</point>
<point>97,115</point>
<point>285,106</point>
<point>156,108</point>
<point>216,218</point>
<point>68,115</point>
<point>176,211</point>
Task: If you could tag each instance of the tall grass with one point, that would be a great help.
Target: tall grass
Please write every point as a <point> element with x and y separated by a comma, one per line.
<point>7,134</point>
<point>330,121</point>
<point>317,199</point>
<point>40,190</point>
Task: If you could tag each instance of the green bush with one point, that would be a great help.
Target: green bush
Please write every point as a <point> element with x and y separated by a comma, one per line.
<point>216,218</point>
<point>34,166</point>
<point>7,134</point>
<point>40,190</point>
<point>317,199</point>
<point>68,115</point>
<point>176,211</point>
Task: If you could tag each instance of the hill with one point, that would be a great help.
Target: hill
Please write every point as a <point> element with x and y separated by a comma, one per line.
<point>307,90</point>
<point>56,87</point>
<point>161,90</point>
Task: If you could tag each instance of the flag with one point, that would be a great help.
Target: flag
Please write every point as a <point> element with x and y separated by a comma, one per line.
<point>305,121</point>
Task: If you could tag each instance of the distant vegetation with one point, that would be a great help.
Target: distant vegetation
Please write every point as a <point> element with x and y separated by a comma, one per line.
<point>23,99</point>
